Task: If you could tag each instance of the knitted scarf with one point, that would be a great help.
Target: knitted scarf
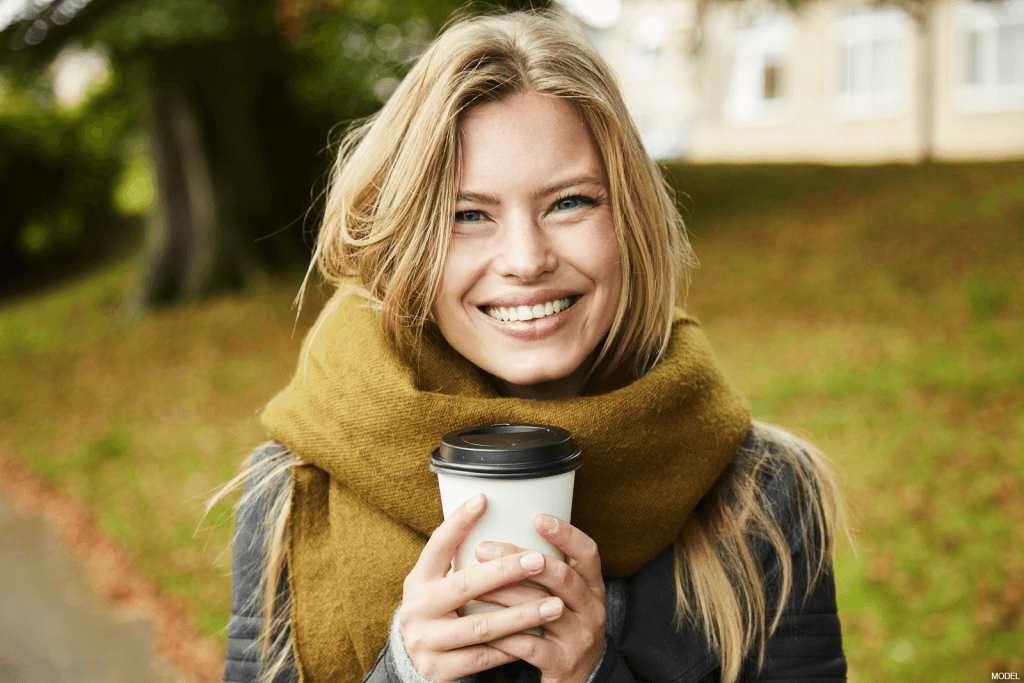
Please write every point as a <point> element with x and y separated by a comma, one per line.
<point>364,419</point>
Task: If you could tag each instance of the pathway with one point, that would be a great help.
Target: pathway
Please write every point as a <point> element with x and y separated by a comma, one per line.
<point>53,628</point>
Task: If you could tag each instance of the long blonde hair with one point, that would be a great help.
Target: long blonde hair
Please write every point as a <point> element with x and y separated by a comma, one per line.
<point>390,204</point>
<point>385,233</point>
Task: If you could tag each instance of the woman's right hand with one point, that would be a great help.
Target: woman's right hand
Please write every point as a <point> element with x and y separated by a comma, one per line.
<point>441,644</point>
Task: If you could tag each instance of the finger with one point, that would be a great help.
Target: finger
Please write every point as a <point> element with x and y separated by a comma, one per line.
<point>484,627</point>
<point>490,550</point>
<point>456,664</point>
<point>460,587</point>
<point>564,582</point>
<point>515,594</point>
<point>529,648</point>
<point>580,550</point>
<point>567,646</point>
<point>436,556</point>
<point>567,628</point>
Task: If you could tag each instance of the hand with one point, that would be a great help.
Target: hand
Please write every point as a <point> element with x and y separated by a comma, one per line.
<point>441,644</point>
<point>572,645</point>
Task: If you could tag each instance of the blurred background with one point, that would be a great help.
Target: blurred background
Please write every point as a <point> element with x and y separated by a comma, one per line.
<point>852,174</point>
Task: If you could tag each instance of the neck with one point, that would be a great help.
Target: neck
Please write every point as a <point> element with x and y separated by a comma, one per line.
<point>541,391</point>
<point>572,385</point>
<point>581,381</point>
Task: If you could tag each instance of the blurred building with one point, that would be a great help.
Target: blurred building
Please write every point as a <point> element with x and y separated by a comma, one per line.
<point>835,80</point>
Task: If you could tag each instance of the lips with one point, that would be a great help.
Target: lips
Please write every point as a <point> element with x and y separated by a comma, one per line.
<point>514,313</point>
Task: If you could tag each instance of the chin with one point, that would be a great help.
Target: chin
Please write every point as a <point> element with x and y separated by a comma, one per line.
<point>530,376</point>
<point>543,383</point>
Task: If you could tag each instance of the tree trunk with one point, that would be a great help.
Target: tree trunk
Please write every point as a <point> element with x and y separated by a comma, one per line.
<point>192,245</point>
<point>925,80</point>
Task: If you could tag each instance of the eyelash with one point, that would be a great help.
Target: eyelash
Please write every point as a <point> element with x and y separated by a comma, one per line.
<point>460,216</point>
<point>583,200</point>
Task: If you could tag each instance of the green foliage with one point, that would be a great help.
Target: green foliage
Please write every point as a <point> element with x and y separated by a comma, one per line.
<point>354,59</point>
<point>149,25</point>
<point>57,168</point>
<point>134,189</point>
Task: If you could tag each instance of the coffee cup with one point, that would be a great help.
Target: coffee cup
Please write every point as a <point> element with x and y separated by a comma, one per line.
<point>523,469</point>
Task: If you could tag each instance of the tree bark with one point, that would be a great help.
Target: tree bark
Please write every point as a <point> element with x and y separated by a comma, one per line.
<point>192,245</point>
<point>922,13</point>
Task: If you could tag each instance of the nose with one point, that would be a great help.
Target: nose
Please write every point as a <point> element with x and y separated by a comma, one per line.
<point>524,250</point>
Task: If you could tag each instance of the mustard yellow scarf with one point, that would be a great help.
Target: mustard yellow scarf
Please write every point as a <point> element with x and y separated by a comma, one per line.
<point>365,419</point>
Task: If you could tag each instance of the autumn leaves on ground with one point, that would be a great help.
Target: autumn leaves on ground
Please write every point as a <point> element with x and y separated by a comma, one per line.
<point>877,310</point>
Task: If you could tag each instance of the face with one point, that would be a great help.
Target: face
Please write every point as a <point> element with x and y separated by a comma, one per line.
<point>532,279</point>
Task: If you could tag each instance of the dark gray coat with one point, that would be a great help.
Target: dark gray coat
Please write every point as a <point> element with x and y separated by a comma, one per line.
<point>641,643</point>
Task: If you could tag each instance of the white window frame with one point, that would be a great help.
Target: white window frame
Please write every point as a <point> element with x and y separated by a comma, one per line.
<point>858,36</point>
<point>769,40</point>
<point>985,19</point>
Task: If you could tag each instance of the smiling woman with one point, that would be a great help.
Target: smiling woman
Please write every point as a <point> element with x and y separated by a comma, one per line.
<point>504,250</point>
<point>533,233</point>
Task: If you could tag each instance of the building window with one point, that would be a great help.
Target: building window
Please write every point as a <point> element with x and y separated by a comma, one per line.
<point>759,80</point>
<point>992,38</point>
<point>871,81</point>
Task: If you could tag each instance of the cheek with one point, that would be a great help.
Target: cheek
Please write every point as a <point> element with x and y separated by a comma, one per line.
<point>455,282</point>
<point>607,262</point>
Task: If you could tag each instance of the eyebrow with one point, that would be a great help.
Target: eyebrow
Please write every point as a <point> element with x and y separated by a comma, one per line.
<point>491,200</point>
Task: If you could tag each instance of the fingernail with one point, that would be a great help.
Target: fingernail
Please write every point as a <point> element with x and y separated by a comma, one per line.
<point>487,551</point>
<point>532,562</point>
<point>550,609</point>
<point>548,523</point>
<point>475,503</point>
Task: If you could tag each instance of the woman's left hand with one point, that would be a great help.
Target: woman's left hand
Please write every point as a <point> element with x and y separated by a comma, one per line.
<point>572,644</point>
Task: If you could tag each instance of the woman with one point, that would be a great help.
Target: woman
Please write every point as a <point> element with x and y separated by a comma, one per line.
<point>505,251</point>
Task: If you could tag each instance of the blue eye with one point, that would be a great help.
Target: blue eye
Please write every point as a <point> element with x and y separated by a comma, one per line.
<point>469,216</point>
<point>572,202</point>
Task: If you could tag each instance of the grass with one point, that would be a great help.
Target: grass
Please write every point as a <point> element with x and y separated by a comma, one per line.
<point>877,310</point>
<point>142,423</point>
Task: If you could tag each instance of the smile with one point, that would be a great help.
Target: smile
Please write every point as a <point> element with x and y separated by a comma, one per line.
<point>521,313</point>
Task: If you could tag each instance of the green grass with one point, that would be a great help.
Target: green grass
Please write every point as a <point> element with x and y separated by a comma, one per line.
<point>877,310</point>
<point>143,422</point>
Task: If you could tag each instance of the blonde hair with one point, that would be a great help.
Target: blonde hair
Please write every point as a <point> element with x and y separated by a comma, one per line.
<point>721,584</point>
<point>385,233</point>
<point>390,204</point>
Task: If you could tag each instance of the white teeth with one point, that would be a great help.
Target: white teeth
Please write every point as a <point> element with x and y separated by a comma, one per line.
<point>517,313</point>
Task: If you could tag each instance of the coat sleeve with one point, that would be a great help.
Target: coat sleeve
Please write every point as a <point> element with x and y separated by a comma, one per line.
<point>241,664</point>
<point>808,643</point>
<point>806,646</point>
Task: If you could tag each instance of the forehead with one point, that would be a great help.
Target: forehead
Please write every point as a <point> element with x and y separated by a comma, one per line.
<point>529,136</point>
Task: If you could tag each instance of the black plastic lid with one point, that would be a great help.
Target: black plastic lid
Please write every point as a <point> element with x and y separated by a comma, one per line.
<point>506,451</point>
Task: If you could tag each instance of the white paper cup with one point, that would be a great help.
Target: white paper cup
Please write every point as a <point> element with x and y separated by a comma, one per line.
<point>524,470</point>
